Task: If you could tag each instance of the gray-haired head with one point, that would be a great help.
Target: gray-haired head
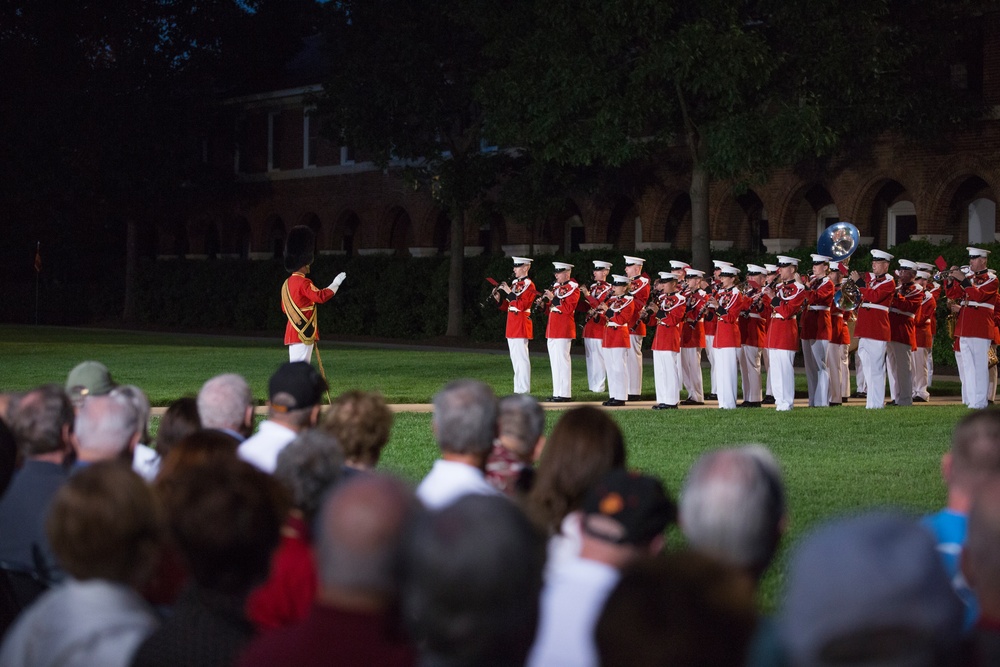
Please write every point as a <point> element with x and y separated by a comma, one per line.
<point>308,466</point>
<point>472,579</point>
<point>105,427</point>
<point>223,401</point>
<point>522,420</point>
<point>732,506</point>
<point>42,420</point>
<point>360,535</point>
<point>465,417</point>
<point>137,397</point>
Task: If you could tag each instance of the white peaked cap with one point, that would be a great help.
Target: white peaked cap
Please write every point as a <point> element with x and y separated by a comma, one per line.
<point>518,261</point>
<point>729,271</point>
<point>561,266</point>
<point>881,254</point>
<point>633,260</point>
<point>620,280</point>
<point>821,259</point>
<point>695,273</point>
<point>755,268</point>
<point>785,260</point>
<point>925,266</point>
<point>907,264</point>
<point>598,264</point>
<point>977,252</point>
<point>720,264</point>
<point>678,264</point>
<point>926,275</point>
<point>771,268</point>
<point>669,275</point>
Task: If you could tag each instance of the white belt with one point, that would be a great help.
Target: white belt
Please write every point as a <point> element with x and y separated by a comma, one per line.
<point>556,310</point>
<point>612,324</point>
<point>756,316</point>
<point>897,311</point>
<point>875,306</point>
<point>512,309</point>
<point>819,307</point>
<point>976,304</point>
<point>781,317</point>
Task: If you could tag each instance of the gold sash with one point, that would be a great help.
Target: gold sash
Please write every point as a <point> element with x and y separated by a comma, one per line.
<point>304,325</point>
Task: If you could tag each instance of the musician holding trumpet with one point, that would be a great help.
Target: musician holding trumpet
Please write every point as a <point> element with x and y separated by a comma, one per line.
<point>559,301</point>
<point>593,330</point>
<point>817,330</point>
<point>902,333</point>
<point>978,296</point>
<point>517,299</point>
<point>872,330</point>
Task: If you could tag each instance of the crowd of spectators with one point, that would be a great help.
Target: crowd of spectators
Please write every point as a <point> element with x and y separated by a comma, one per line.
<point>212,544</point>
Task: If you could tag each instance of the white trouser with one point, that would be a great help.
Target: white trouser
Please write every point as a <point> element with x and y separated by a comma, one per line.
<point>691,373</point>
<point>991,392</point>
<point>750,369</point>
<point>975,372</point>
<point>961,376</point>
<point>666,377</point>
<point>635,365</point>
<point>559,359</point>
<point>300,352</point>
<point>522,365</point>
<point>725,376</point>
<point>765,363</point>
<point>817,374</point>
<point>710,353</point>
<point>900,369</point>
<point>593,349</point>
<point>615,361</point>
<point>835,364</point>
<point>872,355</point>
<point>930,367</point>
<point>782,376</point>
<point>845,371</point>
<point>859,372</point>
<point>918,361</point>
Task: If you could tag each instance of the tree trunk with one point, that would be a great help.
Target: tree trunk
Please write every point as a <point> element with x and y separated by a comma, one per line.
<point>701,257</point>
<point>455,275</point>
<point>129,313</point>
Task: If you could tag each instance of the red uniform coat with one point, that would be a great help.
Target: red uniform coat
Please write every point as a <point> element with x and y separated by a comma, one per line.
<point>873,315</point>
<point>840,331</point>
<point>926,316</point>
<point>979,296</point>
<point>639,291</point>
<point>518,307</point>
<point>621,310</point>
<point>783,328</point>
<point>599,293</point>
<point>816,323</point>
<point>305,295</point>
<point>753,324</point>
<point>731,304</point>
<point>693,329</point>
<point>903,313</point>
<point>669,321</point>
<point>710,321</point>
<point>562,323</point>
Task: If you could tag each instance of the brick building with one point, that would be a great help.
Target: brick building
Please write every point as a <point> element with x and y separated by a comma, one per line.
<point>287,175</point>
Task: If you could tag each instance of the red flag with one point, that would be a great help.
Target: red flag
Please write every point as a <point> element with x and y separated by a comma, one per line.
<point>940,263</point>
<point>38,257</point>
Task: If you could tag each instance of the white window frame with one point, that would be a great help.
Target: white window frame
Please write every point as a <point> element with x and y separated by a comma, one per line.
<point>824,214</point>
<point>978,211</point>
<point>895,211</point>
<point>345,158</point>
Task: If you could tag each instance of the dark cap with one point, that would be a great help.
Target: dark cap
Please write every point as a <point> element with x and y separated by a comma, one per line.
<point>627,508</point>
<point>299,381</point>
<point>90,378</point>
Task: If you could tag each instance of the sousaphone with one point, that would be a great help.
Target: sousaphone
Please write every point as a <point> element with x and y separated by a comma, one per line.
<point>839,241</point>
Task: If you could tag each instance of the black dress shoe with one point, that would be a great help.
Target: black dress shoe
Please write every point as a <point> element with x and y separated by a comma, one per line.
<point>660,406</point>
<point>744,404</point>
<point>691,401</point>
<point>668,406</point>
<point>919,399</point>
<point>768,400</point>
<point>859,394</point>
<point>634,397</point>
<point>890,403</point>
<point>844,399</point>
<point>613,403</point>
<point>835,405</point>
<point>558,399</point>
<point>711,397</point>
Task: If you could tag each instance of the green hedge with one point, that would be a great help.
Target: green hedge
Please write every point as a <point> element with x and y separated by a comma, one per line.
<point>384,297</point>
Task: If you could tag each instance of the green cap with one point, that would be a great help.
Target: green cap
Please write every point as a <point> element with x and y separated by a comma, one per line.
<point>90,378</point>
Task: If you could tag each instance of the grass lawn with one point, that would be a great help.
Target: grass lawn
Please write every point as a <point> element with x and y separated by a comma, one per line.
<point>834,460</point>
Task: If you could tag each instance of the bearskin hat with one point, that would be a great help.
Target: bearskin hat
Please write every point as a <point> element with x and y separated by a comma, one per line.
<point>299,248</point>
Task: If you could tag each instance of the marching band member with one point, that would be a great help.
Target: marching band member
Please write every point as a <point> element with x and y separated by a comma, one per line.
<point>770,278</point>
<point>817,331</point>
<point>787,299</point>
<point>978,296</point>
<point>710,325</point>
<point>729,303</point>
<point>560,303</point>
<point>753,337</point>
<point>840,340</point>
<point>902,334</point>
<point>877,290</point>
<point>518,299</point>
<point>693,338</point>
<point>299,296</point>
<point>618,311</point>
<point>639,290</point>
<point>924,337</point>
<point>672,307</point>
<point>934,289</point>
<point>593,330</point>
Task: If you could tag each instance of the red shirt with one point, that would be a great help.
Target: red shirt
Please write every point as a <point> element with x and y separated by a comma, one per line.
<point>693,329</point>
<point>925,320</point>
<point>816,323</point>
<point>873,314</point>
<point>727,331</point>
<point>979,296</point>
<point>599,293</point>
<point>668,327</point>
<point>619,313</point>
<point>305,295</point>
<point>562,323</point>
<point>518,306</point>
<point>903,314</point>
<point>639,291</point>
<point>783,328</point>
<point>290,590</point>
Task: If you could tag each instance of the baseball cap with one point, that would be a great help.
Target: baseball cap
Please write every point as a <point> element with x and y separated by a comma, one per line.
<point>89,378</point>
<point>299,381</point>
<point>627,508</point>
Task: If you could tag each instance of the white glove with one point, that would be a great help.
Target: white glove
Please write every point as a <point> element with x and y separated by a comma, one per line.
<point>335,285</point>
